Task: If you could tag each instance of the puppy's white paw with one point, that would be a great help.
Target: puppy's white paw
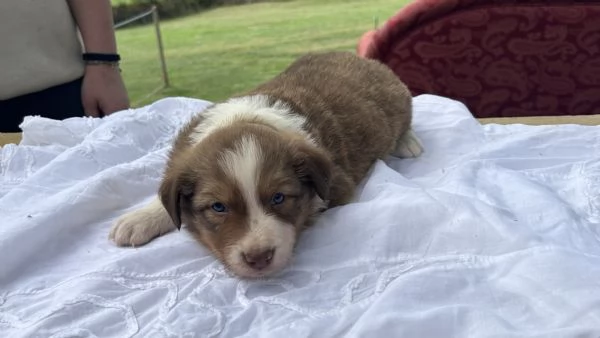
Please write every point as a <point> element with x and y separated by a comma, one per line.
<point>408,145</point>
<point>141,226</point>
<point>132,230</point>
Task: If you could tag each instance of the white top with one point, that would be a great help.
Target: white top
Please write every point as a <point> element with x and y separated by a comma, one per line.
<point>39,46</point>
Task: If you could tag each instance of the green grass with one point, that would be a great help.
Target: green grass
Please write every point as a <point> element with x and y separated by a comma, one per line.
<point>220,52</point>
<point>118,2</point>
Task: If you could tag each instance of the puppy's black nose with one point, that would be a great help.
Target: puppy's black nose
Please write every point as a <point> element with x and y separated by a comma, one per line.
<point>258,260</point>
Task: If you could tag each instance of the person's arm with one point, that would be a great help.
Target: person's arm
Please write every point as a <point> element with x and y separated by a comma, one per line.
<point>95,21</point>
<point>103,89</point>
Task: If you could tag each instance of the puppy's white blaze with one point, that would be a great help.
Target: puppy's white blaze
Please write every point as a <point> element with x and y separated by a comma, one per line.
<point>254,107</point>
<point>243,164</point>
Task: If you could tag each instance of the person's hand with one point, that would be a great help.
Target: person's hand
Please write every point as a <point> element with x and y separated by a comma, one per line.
<point>103,91</point>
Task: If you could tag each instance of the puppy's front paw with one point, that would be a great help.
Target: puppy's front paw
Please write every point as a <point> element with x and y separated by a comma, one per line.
<point>133,229</point>
<point>408,145</point>
<point>142,225</point>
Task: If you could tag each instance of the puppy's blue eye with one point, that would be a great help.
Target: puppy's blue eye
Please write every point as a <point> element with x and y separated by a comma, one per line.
<point>277,198</point>
<point>219,207</point>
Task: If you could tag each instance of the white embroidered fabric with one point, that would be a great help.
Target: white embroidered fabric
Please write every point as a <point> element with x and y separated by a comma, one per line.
<point>493,232</point>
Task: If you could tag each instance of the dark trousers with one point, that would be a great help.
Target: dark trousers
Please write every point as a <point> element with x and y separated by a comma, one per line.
<point>58,103</point>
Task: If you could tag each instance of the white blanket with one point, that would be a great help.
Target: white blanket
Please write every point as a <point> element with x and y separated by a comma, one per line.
<point>493,232</point>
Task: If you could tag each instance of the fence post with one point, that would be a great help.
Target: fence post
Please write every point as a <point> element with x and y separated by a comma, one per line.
<point>161,51</point>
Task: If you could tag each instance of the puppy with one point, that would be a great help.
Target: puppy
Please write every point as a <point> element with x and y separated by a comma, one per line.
<point>247,175</point>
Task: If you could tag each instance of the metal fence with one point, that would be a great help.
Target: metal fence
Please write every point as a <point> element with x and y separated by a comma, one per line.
<point>153,11</point>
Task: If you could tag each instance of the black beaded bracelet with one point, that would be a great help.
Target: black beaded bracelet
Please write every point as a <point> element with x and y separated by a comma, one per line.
<point>100,57</point>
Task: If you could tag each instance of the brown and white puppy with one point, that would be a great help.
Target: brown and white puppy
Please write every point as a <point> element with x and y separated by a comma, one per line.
<point>249,174</point>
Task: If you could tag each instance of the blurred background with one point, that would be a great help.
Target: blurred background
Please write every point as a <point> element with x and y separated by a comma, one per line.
<point>212,49</point>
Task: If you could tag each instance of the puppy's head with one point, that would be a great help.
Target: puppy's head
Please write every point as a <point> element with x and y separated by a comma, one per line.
<point>246,192</point>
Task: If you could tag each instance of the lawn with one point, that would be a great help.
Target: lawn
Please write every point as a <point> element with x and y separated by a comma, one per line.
<point>214,54</point>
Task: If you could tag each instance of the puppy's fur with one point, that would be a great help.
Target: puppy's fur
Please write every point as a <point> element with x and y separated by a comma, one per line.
<point>249,174</point>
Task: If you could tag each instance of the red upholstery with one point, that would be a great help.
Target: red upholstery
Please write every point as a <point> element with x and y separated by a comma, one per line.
<point>499,57</point>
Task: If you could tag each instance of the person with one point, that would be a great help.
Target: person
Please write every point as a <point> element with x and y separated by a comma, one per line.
<point>59,59</point>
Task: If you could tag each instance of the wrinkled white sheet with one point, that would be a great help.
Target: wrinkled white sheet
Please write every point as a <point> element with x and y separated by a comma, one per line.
<point>493,232</point>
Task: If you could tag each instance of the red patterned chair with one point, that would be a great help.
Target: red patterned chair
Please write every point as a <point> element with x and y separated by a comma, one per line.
<point>501,58</point>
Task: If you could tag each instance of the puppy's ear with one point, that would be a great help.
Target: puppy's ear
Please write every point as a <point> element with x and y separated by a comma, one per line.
<point>313,166</point>
<point>176,189</point>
